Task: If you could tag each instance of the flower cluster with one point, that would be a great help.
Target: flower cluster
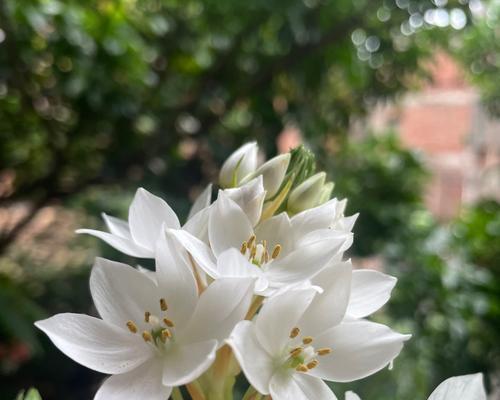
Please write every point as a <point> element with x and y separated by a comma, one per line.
<point>253,282</point>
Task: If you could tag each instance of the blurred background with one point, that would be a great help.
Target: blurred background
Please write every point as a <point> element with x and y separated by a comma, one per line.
<point>400,100</point>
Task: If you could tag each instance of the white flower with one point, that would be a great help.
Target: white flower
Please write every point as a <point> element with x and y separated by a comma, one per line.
<point>152,336</point>
<point>464,387</point>
<point>147,214</point>
<point>242,166</point>
<point>250,197</point>
<point>300,338</point>
<point>271,252</point>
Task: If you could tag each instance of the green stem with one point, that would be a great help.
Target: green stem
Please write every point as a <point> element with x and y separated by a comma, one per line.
<point>176,394</point>
<point>195,391</point>
<point>252,394</point>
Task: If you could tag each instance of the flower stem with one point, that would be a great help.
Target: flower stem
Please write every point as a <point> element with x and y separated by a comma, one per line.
<point>176,394</point>
<point>252,394</point>
<point>195,391</point>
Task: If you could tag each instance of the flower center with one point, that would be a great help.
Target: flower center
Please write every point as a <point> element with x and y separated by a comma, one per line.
<point>160,332</point>
<point>303,357</point>
<point>258,253</point>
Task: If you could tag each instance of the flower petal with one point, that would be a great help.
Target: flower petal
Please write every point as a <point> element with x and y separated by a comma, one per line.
<point>176,281</point>
<point>228,225</point>
<point>117,226</point>
<point>215,316</point>
<point>304,262</point>
<point>465,387</point>
<point>232,264</point>
<point>256,363</point>
<point>314,218</point>
<point>239,164</point>
<point>299,386</point>
<point>146,216</point>
<point>351,396</point>
<point>276,230</point>
<point>250,198</point>
<point>95,343</point>
<point>197,225</point>
<point>278,316</point>
<point>126,246</point>
<point>142,383</point>
<point>122,293</point>
<point>370,290</point>
<point>183,364</point>
<point>360,348</point>
<point>202,201</point>
<point>328,309</point>
<point>200,252</point>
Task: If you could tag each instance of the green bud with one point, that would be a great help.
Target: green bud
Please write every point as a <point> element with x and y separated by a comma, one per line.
<point>302,165</point>
<point>326,193</point>
<point>273,172</point>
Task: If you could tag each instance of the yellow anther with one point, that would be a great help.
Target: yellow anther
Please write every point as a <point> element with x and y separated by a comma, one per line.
<point>307,340</point>
<point>163,305</point>
<point>294,332</point>
<point>147,336</point>
<point>295,352</point>
<point>276,251</point>
<point>301,368</point>
<point>168,322</point>
<point>166,334</point>
<point>324,351</point>
<point>250,241</point>
<point>131,326</point>
<point>312,364</point>
<point>244,248</point>
<point>147,314</point>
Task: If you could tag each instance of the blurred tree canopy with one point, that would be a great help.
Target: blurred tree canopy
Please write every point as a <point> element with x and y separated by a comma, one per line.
<point>107,91</point>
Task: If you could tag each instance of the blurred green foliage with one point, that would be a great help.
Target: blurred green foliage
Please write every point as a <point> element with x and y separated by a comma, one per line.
<point>99,97</point>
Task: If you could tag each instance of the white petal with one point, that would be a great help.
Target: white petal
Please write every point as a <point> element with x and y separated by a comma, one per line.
<point>346,224</point>
<point>305,262</point>
<point>250,198</point>
<point>238,165</point>
<point>273,172</point>
<point>126,246</point>
<point>142,383</point>
<point>117,226</point>
<point>146,216</point>
<point>315,218</point>
<point>122,293</point>
<point>175,279</point>
<point>232,264</point>
<point>220,307</point>
<point>276,230</point>
<point>197,225</point>
<point>278,316</point>
<point>183,364</point>
<point>465,387</point>
<point>299,386</point>
<point>202,201</point>
<point>200,252</point>
<point>351,396</point>
<point>95,343</point>
<point>370,290</point>
<point>328,309</point>
<point>359,349</point>
<point>256,363</point>
<point>228,226</point>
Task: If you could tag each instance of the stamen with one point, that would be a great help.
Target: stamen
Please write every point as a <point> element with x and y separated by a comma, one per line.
<point>166,334</point>
<point>295,352</point>
<point>324,351</point>
<point>244,247</point>
<point>312,364</point>
<point>250,241</point>
<point>266,256</point>
<point>301,368</point>
<point>163,305</point>
<point>294,332</point>
<point>131,326</point>
<point>168,322</point>
<point>147,314</point>
<point>276,251</point>
<point>307,340</point>
<point>147,336</point>
<point>264,243</point>
<point>253,252</point>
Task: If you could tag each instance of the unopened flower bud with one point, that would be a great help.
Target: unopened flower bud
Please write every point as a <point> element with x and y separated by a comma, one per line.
<point>326,193</point>
<point>307,194</point>
<point>238,165</point>
<point>273,172</point>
